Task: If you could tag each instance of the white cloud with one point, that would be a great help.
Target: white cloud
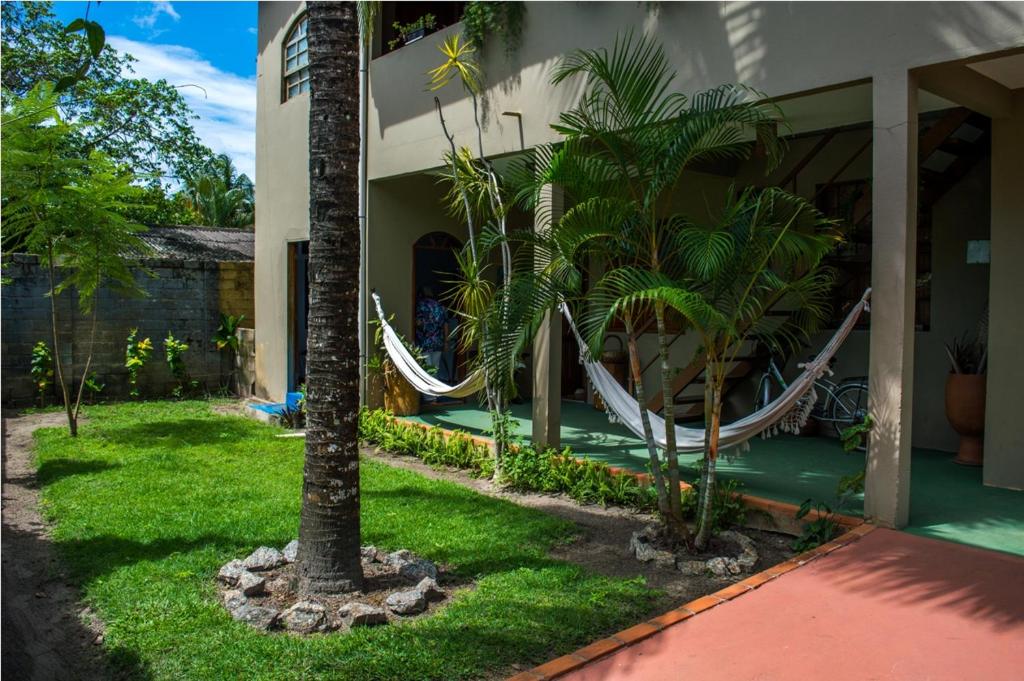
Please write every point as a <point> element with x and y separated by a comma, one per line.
<point>159,7</point>
<point>225,102</point>
<point>253,30</point>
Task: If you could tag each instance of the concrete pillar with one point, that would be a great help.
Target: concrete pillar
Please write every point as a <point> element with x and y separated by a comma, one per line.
<point>1004,437</point>
<point>893,282</point>
<point>547,344</point>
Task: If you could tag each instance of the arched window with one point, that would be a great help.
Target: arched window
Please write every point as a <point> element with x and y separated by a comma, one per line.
<point>296,59</point>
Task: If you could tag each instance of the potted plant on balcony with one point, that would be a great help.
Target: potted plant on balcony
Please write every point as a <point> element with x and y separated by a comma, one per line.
<point>965,397</point>
<point>411,32</point>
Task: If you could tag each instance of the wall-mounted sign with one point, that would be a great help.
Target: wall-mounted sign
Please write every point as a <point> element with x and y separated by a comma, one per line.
<point>979,252</point>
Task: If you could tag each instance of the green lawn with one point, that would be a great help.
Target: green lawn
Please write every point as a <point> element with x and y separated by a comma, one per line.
<point>153,498</point>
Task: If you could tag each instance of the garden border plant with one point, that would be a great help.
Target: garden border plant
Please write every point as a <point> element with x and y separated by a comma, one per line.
<point>530,469</point>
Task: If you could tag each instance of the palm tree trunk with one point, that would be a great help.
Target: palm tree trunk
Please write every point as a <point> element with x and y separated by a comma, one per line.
<point>329,560</point>
<point>676,525</point>
<point>707,488</point>
<point>664,507</point>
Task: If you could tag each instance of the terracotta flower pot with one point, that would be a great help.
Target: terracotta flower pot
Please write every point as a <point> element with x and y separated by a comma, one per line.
<point>400,398</point>
<point>965,409</point>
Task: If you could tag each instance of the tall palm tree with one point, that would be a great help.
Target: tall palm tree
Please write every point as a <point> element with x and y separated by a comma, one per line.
<point>328,559</point>
<point>625,147</point>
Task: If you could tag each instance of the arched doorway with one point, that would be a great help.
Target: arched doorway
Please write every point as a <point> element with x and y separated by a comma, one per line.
<point>435,268</point>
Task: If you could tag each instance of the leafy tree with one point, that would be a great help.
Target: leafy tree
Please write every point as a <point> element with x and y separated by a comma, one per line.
<point>67,209</point>
<point>144,125</point>
<point>329,559</point>
<point>220,195</point>
<point>625,147</point>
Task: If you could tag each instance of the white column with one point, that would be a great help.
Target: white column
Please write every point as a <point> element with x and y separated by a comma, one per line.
<point>893,282</point>
<point>547,345</point>
<point>1004,436</point>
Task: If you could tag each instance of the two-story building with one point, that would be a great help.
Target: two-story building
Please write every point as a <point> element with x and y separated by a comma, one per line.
<point>907,121</point>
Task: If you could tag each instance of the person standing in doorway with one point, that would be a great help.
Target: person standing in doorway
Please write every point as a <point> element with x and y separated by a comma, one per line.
<point>431,329</point>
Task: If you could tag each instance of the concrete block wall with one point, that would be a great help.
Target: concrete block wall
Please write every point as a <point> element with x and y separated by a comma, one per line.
<point>183,297</point>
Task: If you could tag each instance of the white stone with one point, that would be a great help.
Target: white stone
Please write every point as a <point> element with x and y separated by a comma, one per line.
<point>304,617</point>
<point>291,551</point>
<point>250,584</point>
<point>234,599</point>
<point>418,568</point>
<point>406,602</point>
<point>263,558</point>
<point>430,590</point>
<point>362,615</point>
<point>256,616</point>
<point>230,572</point>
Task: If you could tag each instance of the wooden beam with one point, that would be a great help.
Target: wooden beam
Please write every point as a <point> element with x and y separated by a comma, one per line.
<point>860,150</point>
<point>808,157</point>
<point>934,136</point>
<point>968,88</point>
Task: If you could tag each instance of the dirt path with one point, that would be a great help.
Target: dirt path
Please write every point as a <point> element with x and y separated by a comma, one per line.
<point>603,540</point>
<point>47,633</point>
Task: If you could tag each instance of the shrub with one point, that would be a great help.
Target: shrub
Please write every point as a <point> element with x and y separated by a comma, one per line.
<point>525,468</point>
<point>42,370</point>
<point>136,355</point>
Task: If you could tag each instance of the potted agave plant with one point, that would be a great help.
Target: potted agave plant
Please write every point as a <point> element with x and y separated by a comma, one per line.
<point>965,398</point>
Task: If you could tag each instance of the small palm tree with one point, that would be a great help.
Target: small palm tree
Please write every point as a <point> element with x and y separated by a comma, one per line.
<point>624,150</point>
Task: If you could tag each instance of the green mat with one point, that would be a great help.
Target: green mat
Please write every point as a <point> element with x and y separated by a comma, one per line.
<point>947,501</point>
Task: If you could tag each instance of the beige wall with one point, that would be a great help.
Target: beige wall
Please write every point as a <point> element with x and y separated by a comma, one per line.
<point>753,43</point>
<point>400,212</point>
<point>282,195</point>
<point>1004,434</point>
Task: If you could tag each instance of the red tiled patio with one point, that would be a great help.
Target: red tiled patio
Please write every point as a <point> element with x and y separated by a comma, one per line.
<point>891,606</point>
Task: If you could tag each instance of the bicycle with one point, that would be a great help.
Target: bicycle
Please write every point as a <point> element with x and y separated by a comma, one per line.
<point>842,404</point>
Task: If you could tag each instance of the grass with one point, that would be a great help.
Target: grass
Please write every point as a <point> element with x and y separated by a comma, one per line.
<point>153,498</point>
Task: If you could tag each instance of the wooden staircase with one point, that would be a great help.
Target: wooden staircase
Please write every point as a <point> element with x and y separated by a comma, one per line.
<point>951,143</point>
<point>688,385</point>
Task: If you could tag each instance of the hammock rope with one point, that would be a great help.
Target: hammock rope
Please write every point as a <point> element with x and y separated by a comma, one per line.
<point>786,413</point>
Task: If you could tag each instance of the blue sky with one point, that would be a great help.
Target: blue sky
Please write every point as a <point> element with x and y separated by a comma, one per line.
<point>208,44</point>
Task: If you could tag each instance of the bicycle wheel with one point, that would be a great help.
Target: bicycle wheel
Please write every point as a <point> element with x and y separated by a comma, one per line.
<point>849,406</point>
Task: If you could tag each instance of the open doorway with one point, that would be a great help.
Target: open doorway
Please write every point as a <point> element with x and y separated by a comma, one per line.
<point>435,271</point>
<point>298,312</point>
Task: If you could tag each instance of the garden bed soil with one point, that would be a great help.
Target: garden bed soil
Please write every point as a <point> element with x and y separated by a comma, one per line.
<point>602,542</point>
<point>47,633</point>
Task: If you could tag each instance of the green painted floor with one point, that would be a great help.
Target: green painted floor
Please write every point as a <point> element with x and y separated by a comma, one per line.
<point>947,501</point>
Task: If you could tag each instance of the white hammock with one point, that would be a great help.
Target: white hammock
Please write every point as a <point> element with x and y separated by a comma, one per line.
<point>788,412</point>
<point>418,377</point>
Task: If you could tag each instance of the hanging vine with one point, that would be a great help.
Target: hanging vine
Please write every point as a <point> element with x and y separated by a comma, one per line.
<point>482,19</point>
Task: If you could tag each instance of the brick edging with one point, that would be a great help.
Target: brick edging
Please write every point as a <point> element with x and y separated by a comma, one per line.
<point>623,639</point>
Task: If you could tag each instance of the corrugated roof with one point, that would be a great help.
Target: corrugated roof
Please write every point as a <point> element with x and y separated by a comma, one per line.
<point>200,243</point>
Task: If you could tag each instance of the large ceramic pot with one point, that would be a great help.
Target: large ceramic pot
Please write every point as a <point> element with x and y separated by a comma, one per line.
<point>965,409</point>
<point>400,398</point>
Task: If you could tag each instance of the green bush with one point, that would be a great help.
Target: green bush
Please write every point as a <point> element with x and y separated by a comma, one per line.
<point>727,507</point>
